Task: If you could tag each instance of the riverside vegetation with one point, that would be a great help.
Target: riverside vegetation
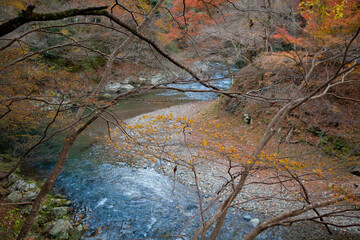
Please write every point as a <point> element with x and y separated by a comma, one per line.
<point>282,141</point>
<point>17,194</point>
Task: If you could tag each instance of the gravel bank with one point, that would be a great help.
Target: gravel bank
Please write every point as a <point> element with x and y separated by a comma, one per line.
<point>212,176</point>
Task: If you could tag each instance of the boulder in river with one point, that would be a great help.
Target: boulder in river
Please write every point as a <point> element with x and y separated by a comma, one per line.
<point>254,222</point>
<point>158,78</point>
<point>118,87</point>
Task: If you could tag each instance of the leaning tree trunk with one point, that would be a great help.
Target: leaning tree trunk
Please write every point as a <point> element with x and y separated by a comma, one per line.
<point>74,132</point>
<point>69,141</point>
<point>226,205</point>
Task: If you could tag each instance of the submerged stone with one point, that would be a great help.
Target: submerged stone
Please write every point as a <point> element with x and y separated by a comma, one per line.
<point>254,222</point>
<point>191,207</point>
<point>247,217</point>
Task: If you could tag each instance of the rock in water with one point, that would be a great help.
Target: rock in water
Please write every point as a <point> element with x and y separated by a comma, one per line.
<point>127,87</point>
<point>157,79</point>
<point>247,217</point>
<point>118,87</point>
<point>254,222</point>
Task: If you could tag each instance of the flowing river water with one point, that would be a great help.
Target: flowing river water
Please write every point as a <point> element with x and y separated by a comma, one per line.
<point>125,201</point>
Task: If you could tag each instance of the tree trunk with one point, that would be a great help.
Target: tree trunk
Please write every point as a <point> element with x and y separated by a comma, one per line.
<point>48,185</point>
<point>74,133</point>
<point>226,205</point>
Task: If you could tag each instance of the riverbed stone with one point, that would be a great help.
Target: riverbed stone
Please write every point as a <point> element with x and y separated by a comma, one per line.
<point>20,184</point>
<point>118,87</point>
<point>60,211</point>
<point>61,202</point>
<point>58,195</point>
<point>191,207</point>
<point>14,197</point>
<point>254,222</point>
<point>29,186</point>
<point>60,229</point>
<point>31,195</point>
<point>157,79</point>
<point>80,228</point>
<point>113,87</point>
<point>126,80</point>
<point>247,217</point>
<point>66,202</point>
<point>13,178</point>
<point>127,87</point>
<point>106,96</point>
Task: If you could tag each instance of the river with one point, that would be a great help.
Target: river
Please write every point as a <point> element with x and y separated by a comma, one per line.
<point>122,201</point>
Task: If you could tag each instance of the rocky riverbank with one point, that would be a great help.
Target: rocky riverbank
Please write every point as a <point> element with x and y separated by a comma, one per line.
<point>54,220</point>
<point>150,77</point>
<point>119,85</point>
<point>212,177</point>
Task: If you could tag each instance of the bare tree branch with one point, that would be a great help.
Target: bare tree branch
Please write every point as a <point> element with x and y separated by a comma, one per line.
<point>28,15</point>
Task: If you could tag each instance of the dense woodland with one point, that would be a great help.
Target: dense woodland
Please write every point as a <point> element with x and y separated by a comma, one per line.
<point>289,122</point>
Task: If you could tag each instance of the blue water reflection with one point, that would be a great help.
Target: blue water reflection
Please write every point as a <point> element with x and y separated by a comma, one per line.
<point>219,78</point>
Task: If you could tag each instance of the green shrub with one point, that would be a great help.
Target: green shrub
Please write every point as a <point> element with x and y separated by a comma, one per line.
<point>240,63</point>
<point>11,224</point>
<point>173,47</point>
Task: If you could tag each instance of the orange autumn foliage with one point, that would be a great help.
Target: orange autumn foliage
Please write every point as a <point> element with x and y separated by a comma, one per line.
<point>331,17</point>
<point>327,22</point>
<point>30,94</point>
<point>186,19</point>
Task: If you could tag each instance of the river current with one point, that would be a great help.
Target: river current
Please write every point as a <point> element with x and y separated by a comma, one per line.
<point>121,201</point>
